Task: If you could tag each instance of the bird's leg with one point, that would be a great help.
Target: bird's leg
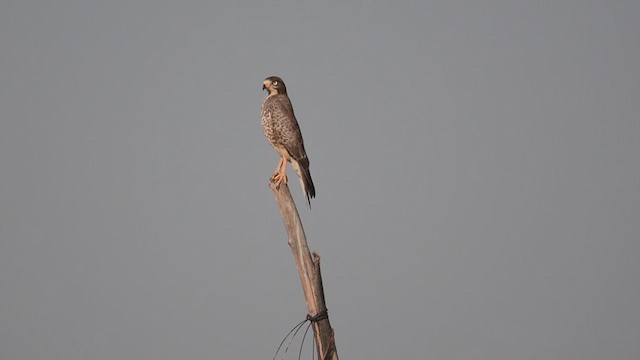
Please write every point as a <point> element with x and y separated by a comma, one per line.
<point>277,172</point>
<point>280,176</point>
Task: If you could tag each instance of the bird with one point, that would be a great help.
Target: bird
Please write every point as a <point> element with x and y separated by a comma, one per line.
<point>283,132</point>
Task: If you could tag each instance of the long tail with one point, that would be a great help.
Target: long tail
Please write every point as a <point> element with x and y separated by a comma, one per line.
<point>301,168</point>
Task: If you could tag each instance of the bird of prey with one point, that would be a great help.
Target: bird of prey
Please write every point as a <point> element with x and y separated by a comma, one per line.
<point>283,132</point>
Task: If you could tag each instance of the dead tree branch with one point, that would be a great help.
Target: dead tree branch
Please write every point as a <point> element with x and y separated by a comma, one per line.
<point>308,265</point>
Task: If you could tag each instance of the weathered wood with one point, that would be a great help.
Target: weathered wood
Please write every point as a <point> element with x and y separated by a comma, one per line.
<point>308,265</point>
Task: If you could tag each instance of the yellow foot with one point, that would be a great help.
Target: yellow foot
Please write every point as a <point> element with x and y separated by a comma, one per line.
<point>279,178</point>
<point>280,175</point>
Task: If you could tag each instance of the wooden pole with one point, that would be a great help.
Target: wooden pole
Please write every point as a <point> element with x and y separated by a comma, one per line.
<point>308,265</point>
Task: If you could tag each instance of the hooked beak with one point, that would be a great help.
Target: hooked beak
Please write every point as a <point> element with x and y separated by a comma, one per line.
<point>266,85</point>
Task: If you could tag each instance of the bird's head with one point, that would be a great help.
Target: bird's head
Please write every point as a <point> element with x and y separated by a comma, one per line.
<point>274,85</point>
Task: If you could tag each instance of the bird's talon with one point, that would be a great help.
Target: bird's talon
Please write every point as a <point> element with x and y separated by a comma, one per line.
<point>278,179</point>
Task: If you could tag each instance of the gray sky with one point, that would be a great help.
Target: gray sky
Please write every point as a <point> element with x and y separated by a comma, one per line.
<point>476,164</point>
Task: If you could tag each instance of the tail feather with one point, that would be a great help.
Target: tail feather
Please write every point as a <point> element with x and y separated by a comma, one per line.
<point>301,168</point>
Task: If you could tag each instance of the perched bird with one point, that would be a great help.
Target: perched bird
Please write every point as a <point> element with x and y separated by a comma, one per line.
<point>283,132</point>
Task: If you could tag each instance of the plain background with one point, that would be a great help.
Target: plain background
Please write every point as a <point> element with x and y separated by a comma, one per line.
<point>477,166</point>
